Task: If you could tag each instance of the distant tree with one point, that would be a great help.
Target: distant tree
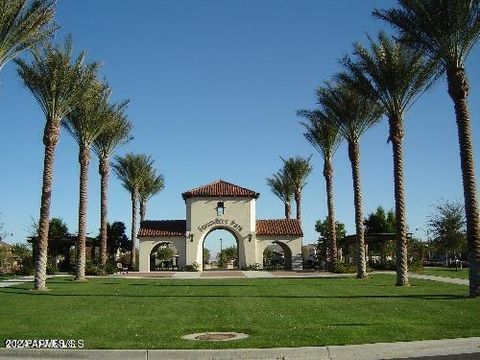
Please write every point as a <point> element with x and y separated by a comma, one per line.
<point>3,233</point>
<point>447,228</point>
<point>297,170</point>
<point>206,255</point>
<point>282,187</point>
<point>24,256</point>
<point>226,255</point>
<point>117,239</point>
<point>380,221</point>
<point>165,252</point>
<point>57,227</point>
<point>323,228</point>
<point>151,185</point>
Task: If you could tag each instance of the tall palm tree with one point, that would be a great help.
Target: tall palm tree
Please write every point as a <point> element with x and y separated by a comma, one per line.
<point>23,24</point>
<point>447,30</point>
<point>116,133</point>
<point>395,75</point>
<point>297,170</point>
<point>354,115</point>
<point>131,170</point>
<point>57,84</point>
<point>282,188</point>
<point>323,134</point>
<point>85,123</point>
<point>152,184</point>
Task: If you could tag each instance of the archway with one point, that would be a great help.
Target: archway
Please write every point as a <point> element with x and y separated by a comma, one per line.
<point>220,250</point>
<point>164,257</point>
<point>277,256</point>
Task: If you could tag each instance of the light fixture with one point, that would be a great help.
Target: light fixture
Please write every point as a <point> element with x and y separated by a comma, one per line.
<point>250,237</point>
<point>189,236</point>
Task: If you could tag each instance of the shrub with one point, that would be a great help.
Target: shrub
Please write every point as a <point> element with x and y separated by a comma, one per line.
<point>52,267</point>
<point>111,266</point>
<point>254,267</point>
<point>342,268</point>
<point>192,267</point>
<point>92,268</point>
<point>386,265</point>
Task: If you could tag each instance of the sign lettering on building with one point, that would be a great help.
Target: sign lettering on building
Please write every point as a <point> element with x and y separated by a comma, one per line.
<point>224,222</point>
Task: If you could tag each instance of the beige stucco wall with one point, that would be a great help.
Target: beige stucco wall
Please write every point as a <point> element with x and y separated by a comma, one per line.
<point>293,243</point>
<point>238,218</point>
<point>148,243</point>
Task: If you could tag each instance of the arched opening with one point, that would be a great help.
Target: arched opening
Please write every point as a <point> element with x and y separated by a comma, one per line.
<point>164,257</point>
<point>277,256</point>
<point>220,250</point>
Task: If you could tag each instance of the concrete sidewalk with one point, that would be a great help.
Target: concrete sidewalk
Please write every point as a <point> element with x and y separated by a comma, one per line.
<point>402,350</point>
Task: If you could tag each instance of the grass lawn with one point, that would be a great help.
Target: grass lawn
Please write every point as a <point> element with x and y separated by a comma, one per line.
<point>446,272</point>
<point>121,313</point>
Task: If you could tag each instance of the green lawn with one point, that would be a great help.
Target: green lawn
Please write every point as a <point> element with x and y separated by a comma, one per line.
<point>446,272</point>
<point>119,313</point>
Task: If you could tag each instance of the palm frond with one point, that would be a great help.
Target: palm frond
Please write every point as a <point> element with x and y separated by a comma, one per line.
<point>23,24</point>
<point>445,30</point>
<point>389,72</point>
<point>57,81</point>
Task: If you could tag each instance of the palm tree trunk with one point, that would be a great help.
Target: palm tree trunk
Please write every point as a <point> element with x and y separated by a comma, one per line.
<point>396,137</point>
<point>354,155</point>
<point>332,241</point>
<point>288,210</point>
<point>50,139</point>
<point>143,209</point>
<point>458,90</point>
<point>104,172</point>
<point>298,202</point>
<point>84,159</point>
<point>134,226</point>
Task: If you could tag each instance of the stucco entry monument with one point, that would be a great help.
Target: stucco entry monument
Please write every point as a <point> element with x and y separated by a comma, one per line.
<point>221,205</point>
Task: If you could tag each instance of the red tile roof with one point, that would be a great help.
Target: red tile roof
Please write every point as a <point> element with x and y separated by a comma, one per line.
<point>163,228</point>
<point>220,188</point>
<point>279,227</point>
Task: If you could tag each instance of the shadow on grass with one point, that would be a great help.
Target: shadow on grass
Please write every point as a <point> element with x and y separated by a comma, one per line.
<point>23,291</point>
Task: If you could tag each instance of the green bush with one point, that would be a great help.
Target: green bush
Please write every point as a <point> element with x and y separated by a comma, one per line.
<point>415,265</point>
<point>192,267</point>
<point>254,267</point>
<point>92,268</point>
<point>111,266</point>
<point>342,268</point>
<point>52,267</point>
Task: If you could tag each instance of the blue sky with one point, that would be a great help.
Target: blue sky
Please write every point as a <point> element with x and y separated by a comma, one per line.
<point>214,87</point>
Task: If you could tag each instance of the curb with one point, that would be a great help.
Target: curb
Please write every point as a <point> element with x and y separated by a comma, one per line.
<point>400,350</point>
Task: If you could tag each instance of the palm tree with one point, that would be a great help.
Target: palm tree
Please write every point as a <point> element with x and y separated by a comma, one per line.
<point>353,115</point>
<point>85,123</point>
<point>131,170</point>
<point>282,187</point>
<point>152,184</point>
<point>324,136</point>
<point>116,133</point>
<point>447,30</point>
<point>297,170</point>
<point>22,26</point>
<point>395,75</point>
<point>57,84</point>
